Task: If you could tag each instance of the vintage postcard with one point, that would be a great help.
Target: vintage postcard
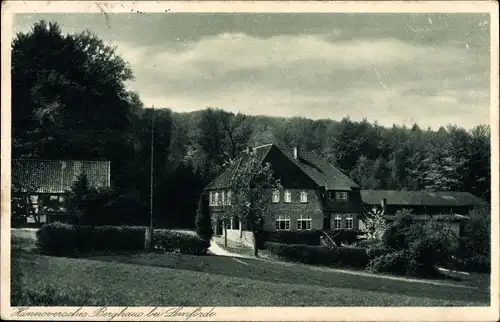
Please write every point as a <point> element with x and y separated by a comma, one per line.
<point>250,161</point>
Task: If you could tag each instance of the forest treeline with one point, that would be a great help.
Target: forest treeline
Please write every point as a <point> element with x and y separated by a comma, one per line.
<point>70,101</point>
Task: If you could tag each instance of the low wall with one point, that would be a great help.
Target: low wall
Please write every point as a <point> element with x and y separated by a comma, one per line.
<point>238,236</point>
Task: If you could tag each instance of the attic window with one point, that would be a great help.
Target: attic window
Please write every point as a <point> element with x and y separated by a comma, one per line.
<point>276,196</point>
<point>211,198</point>
<point>303,196</point>
<point>341,195</point>
<point>288,196</point>
<point>216,199</point>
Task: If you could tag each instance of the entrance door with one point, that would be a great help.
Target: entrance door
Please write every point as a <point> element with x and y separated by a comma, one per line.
<point>327,222</point>
<point>218,230</point>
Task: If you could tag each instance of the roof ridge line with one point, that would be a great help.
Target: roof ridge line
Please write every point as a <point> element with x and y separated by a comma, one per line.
<point>56,160</point>
<point>263,145</point>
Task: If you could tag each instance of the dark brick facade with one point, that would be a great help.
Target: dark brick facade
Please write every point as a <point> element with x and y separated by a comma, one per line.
<point>313,208</point>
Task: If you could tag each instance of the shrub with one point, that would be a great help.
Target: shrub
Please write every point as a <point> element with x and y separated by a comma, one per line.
<point>305,237</point>
<point>57,239</point>
<point>203,221</point>
<point>375,225</point>
<point>394,235</point>
<point>110,238</point>
<point>419,248</point>
<point>431,243</point>
<point>63,239</point>
<point>172,241</point>
<point>395,262</point>
<point>309,254</point>
<point>377,250</point>
<point>474,250</point>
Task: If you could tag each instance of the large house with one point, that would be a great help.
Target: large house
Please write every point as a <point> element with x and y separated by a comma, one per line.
<point>46,182</point>
<point>316,195</point>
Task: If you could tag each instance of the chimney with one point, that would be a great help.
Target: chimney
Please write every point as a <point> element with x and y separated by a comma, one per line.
<point>296,153</point>
<point>383,203</point>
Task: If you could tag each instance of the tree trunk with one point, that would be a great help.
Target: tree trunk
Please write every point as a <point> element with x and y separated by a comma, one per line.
<point>255,244</point>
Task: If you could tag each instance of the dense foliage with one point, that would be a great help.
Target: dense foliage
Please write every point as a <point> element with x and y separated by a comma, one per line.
<point>375,226</point>
<point>63,239</point>
<point>70,101</point>
<point>203,220</point>
<point>413,248</point>
<point>475,245</point>
<point>309,254</point>
<point>172,241</point>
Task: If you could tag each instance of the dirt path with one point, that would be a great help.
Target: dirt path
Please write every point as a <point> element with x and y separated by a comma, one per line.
<point>219,251</point>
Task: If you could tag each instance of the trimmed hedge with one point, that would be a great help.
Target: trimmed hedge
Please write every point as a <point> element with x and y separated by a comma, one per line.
<point>305,237</point>
<point>320,255</point>
<point>172,241</point>
<point>64,239</point>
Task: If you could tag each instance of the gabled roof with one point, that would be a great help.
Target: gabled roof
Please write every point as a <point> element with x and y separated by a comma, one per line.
<point>420,198</point>
<point>57,176</point>
<point>318,170</point>
<point>223,181</point>
<point>324,174</point>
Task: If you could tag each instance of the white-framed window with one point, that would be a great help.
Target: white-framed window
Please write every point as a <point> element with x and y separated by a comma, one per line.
<point>337,222</point>
<point>341,195</point>
<point>283,222</point>
<point>228,197</point>
<point>216,198</point>
<point>304,223</point>
<point>288,196</point>
<point>303,196</point>
<point>223,198</point>
<point>276,196</point>
<point>349,222</point>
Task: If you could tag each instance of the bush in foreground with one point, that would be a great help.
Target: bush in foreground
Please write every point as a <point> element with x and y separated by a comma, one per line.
<point>413,249</point>
<point>172,241</point>
<point>305,237</point>
<point>309,254</point>
<point>474,251</point>
<point>62,239</point>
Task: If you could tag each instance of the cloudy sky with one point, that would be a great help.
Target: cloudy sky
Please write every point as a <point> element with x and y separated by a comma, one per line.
<point>432,69</point>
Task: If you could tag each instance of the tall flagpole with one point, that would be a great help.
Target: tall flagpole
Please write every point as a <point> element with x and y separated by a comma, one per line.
<point>149,234</point>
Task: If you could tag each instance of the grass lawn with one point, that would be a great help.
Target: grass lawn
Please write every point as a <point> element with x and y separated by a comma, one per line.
<point>185,280</point>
